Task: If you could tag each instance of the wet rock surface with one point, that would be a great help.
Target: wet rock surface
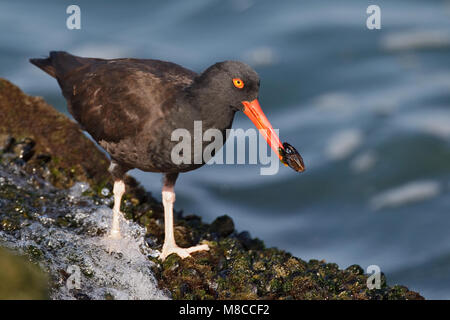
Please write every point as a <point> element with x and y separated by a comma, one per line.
<point>65,232</point>
<point>50,190</point>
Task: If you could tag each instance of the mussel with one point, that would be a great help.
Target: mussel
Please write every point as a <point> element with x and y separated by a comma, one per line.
<point>290,157</point>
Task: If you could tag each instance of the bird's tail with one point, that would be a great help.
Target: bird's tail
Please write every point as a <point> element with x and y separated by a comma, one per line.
<point>58,63</point>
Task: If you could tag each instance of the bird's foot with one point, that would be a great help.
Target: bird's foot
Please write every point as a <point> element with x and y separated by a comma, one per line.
<point>115,235</point>
<point>182,252</point>
<point>118,216</point>
<point>114,238</point>
<point>113,243</point>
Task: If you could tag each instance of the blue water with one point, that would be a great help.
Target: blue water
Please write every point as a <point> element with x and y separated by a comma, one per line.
<point>369,110</point>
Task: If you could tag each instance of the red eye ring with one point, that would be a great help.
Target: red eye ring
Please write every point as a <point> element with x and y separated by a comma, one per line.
<point>238,83</point>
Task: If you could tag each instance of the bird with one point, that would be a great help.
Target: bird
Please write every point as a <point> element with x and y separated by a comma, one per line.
<point>131,106</point>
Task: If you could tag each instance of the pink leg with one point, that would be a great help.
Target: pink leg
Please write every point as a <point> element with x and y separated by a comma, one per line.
<point>169,247</point>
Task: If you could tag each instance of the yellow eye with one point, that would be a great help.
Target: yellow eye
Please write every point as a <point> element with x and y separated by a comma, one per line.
<point>238,83</point>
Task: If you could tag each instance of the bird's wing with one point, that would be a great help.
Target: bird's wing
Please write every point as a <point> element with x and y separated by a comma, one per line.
<point>113,99</point>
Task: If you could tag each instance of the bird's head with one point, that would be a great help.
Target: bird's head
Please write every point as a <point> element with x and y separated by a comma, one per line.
<point>231,82</point>
<point>236,85</point>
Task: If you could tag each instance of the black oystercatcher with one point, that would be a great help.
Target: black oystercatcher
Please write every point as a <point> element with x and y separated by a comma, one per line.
<point>131,107</point>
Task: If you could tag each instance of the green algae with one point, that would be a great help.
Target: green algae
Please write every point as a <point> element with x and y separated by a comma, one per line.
<point>20,279</point>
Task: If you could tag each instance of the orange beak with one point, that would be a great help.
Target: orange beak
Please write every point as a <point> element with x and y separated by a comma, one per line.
<point>287,154</point>
<point>254,112</point>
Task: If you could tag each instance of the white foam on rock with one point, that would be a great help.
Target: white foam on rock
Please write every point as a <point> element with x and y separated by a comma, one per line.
<point>118,269</point>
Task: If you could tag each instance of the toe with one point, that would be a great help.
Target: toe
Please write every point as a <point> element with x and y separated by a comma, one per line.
<point>203,247</point>
<point>183,253</point>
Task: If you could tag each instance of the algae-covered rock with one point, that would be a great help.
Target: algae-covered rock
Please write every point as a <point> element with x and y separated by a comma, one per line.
<point>20,279</point>
<point>223,226</point>
<point>229,271</point>
<point>42,145</point>
<point>41,135</point>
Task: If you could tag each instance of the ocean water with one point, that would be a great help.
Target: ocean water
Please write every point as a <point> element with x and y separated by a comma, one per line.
<point>369,110</point>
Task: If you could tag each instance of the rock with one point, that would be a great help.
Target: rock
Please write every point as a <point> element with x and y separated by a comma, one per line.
<point>21,279</point>
<point>39,145</point>
<point>248,242</point>
<point>41,131</point>
<point>64,231</point>
<point>223,226</point>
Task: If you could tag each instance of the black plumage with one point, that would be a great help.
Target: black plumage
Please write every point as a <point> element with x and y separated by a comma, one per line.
<point>131,106</point>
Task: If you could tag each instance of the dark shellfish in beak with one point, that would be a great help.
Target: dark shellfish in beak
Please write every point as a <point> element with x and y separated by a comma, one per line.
<point>291,157</point>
